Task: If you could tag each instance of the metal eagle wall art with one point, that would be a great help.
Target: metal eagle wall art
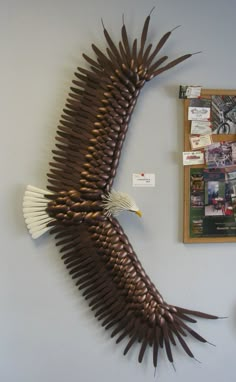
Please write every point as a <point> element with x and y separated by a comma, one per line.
<point>80,206</point>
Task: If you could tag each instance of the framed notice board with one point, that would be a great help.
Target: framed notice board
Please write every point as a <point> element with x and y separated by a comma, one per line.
<point>210,187</point>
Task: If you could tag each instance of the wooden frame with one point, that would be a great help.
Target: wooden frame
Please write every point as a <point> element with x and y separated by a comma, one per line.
<point>188,236</point>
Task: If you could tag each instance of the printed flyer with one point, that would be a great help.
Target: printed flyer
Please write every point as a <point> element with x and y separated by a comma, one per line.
<point>212,202</point>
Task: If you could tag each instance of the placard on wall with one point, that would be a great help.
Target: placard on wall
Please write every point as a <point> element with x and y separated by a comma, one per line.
<point>210,188</point>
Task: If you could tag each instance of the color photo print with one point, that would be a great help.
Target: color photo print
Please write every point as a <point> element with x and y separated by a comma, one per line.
<point>223,114</point>
<point>221,154</point>
<point>212,202</point>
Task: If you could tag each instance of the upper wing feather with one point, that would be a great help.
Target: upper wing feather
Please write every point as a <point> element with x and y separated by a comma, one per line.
<point>97,113</point>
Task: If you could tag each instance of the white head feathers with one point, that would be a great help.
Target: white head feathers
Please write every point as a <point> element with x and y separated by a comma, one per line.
<point>115,202</point>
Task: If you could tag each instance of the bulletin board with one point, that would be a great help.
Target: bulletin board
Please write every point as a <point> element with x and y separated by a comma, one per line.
<point>210,187</point>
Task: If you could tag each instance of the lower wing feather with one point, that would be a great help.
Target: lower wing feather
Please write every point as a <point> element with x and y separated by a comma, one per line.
<point>100,258</point>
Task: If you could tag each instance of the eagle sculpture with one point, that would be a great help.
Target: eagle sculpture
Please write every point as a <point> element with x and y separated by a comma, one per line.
<point>80,206</point>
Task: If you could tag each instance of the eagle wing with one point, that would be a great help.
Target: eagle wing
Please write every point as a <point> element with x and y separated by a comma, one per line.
<point>98,110</point>
<point>101,259</point>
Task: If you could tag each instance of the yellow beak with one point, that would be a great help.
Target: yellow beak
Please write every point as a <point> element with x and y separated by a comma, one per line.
<point>139,213</point>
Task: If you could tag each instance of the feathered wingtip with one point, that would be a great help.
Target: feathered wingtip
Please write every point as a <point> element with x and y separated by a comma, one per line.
<point>171,330</point>
<point>137,56</point>
<point>34,211</point>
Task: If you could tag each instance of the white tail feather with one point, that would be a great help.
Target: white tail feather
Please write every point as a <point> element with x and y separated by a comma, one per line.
<point>37,190</point>
<point>36,199</point>
<point>34,194</point>
<point>34,211</point>
<point>37,234</point>
<point>29,209</point>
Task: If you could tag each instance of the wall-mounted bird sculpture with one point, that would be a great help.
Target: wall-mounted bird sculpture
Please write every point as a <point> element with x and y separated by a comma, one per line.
<point>79,207</point>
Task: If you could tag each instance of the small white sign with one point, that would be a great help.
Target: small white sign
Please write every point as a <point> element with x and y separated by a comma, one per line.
<point>143,180</point>
<point>193,157</point>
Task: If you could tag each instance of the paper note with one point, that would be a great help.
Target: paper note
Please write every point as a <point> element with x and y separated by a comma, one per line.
<point>201,127</point>
<point>193,157</point>
<point>201,141</point>
<point>189,91</point>
<point>199,113</point>
<point>193,91</point>
<point>143,180</point>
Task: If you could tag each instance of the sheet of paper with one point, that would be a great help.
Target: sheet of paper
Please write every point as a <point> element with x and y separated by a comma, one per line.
<point>143,180</point>
<point>193,157</point>
<point>199,109</point>
<point>199,113</point>
<point>200,141</point>
<point>201,127</point>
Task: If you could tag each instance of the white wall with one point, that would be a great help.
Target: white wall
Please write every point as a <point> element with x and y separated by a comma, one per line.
<point>47,332</point>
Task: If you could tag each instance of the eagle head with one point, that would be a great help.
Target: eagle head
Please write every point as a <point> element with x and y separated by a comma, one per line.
<point>115,202</point>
